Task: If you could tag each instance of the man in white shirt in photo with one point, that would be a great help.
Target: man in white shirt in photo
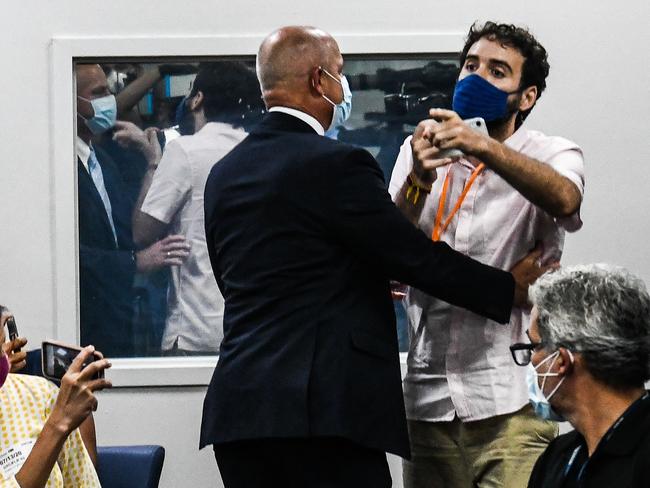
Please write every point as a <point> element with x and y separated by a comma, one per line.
<point>517,189</point>
<point>171,200</point>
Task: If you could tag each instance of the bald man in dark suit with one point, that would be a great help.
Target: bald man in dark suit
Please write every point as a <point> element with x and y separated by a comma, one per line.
<point>303,239</point>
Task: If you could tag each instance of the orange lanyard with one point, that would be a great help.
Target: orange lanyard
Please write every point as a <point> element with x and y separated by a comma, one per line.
<point>437,230</point>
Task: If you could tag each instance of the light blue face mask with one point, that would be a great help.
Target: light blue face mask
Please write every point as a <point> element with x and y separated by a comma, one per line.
<point>341,110</point>
<point>105,114</point>
<point>536,397</point>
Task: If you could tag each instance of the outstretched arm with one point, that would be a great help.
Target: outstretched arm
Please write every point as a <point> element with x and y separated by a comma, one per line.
<point>74,403</point>
<point>537,182</point>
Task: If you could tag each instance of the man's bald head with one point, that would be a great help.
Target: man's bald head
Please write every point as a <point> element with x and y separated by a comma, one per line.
<point>287,55</point>
<point>89,74</point>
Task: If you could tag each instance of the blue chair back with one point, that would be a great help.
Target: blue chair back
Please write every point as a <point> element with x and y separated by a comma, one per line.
<point>130,466</point>
<point>34,366</point>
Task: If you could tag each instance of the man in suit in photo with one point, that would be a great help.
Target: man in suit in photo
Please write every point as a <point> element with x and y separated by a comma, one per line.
<point>303,239</point>
<point>108,259</point>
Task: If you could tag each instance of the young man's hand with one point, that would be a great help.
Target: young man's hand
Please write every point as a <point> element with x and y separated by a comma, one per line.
<point>451,132</point>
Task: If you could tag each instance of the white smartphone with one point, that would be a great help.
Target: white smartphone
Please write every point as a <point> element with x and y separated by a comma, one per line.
<point>476,123</point>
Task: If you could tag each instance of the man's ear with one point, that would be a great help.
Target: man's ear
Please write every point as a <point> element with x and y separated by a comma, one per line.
<point>315,81</point>
<point>196,101</point>
<point>528,98</point>
<point>565,361</point>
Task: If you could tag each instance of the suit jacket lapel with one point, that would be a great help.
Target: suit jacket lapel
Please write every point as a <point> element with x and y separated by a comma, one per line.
<point>88,192</point>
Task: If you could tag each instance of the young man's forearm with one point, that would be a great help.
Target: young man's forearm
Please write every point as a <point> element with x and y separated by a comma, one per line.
<point>537,182</point>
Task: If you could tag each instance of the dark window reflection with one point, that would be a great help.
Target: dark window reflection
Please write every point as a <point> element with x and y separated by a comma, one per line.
<point>127,311</point>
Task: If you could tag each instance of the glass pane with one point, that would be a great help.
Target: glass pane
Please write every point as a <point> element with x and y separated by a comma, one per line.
<point>134,299</point>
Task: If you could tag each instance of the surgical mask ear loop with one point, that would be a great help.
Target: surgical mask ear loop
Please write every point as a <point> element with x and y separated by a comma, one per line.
<point>548,397</point>
<point>338,81</point>
<point>552,357</point>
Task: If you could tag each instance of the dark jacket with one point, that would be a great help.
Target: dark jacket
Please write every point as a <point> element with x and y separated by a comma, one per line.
<point>303,238</point>
<point>621,460</point>
<point>106,271</point>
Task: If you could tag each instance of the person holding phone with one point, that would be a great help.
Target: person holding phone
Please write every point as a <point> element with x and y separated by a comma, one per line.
<point>41,443</point>
<point>508,192</point>
<point>13,348</point>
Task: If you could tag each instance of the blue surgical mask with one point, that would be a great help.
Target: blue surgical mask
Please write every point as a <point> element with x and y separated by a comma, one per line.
<point>341,110</point>
<point>536,397</point>
<point>184,118</point>
<point>105,114</point>
<point>477,97</point>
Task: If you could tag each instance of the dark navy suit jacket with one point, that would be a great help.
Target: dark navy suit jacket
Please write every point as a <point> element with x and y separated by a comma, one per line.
<point>303,238</point>
<point>106,270</point>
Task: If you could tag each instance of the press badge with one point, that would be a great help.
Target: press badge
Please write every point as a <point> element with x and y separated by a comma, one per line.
<point>13,458</point>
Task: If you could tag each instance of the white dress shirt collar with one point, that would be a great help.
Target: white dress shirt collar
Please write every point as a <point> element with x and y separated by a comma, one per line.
<point>306,118</point>
<point>83,151</point>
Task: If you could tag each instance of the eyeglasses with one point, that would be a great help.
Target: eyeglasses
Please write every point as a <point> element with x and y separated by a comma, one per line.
<point>522,352</point>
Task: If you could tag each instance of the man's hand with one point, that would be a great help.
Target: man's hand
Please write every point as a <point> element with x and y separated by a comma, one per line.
<point>425,155</point>
<point>452,133</point>
<point>170,251</point>
<point>130,136</point>
<point>526,272</point>
<point>76,399</point>
<point>18,360</point>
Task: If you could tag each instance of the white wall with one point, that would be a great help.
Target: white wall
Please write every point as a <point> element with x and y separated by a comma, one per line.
<point>597,96</point>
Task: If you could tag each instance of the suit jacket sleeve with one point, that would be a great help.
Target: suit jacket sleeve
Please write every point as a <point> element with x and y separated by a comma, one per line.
<point>109,270</point>
<point>365,218</point>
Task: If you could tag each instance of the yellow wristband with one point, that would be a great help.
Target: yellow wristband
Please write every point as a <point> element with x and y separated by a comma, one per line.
<point>414,188</point>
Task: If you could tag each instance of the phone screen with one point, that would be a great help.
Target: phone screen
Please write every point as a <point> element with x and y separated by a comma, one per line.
<point>57,359</point>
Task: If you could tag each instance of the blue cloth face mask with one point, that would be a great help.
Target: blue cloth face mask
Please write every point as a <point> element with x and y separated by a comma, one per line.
<point>105,114</point>
<point>536,397</point>
<point>341,110</point>
<point>477,97</point>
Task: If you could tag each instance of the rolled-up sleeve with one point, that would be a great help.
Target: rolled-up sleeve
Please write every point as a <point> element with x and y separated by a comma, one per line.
<point>570,164</point>
<point>402,168</point>
<point>171,184</point>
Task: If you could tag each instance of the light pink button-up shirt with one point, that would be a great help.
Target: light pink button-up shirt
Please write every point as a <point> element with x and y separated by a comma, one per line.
<point>459,362</point>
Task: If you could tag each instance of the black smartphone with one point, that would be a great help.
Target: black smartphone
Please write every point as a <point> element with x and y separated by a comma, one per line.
<point>56,358</point>
<point>13,330</point>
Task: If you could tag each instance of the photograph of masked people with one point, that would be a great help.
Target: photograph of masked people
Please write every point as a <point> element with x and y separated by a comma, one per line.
<point>499,196</point>
<point>224,96</point>
<point>48,435</point>
<point>108,259</point>
<point>303,240</point>
<point>587,359</point>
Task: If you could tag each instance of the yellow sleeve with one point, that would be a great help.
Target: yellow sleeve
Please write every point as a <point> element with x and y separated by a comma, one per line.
<point>9,483</point>
<point>76,467</point>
